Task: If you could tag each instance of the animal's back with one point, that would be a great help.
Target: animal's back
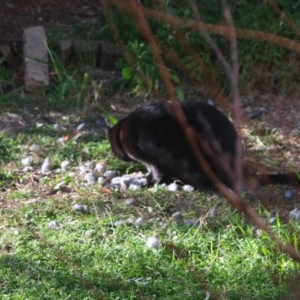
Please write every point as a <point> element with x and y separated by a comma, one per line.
<point>153,136</point>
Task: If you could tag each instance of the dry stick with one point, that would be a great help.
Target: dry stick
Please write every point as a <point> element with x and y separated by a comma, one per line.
<point>284,17</point>
<point>236,97</point>
<point>236,202</point>
<point>218,29</point>
<point>233,75</point>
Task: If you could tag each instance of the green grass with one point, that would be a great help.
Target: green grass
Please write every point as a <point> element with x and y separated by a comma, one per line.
<point>220,255</point>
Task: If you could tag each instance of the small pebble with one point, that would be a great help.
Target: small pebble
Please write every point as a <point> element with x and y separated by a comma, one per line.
<point>139,221</point>
<point>173,187</point>
<point>80,207</point>
<point>46,166</point>
<point>153,242</point>
<point>27,161</point>
<point>116,181</point>
<point>34,148</point>
<point>288,194</point>
<point>99,166</point>
<point>59,127</point>
<point>188,188</point>
<point>295,214</point>
<point>120,223</point>
<point>109,174</point>
<point>134,186</point>
<point>210,102</point>
<point>130,201</point>
<point>27,169</point>
<point>54,225</point>
<point>177,216</point>
<point>101,180</point>
<point>80,126</point>
<point>90,178</point>
<point>90,232</point>
<point>64,165</point>
<point>150,210</point>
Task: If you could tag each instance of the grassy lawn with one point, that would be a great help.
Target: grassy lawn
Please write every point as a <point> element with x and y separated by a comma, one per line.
<point>63,238</point>
<point>102,253</point>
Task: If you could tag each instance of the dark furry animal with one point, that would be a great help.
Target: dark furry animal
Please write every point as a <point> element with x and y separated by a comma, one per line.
<point>152,135</point>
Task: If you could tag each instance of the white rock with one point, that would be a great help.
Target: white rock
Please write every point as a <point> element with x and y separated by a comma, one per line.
<point>101,180</point>
<point>54,225</point>
<point>153,242</point>
<point>100,166</point>
<point>90,178</point>
<point>64,165</point>
<point>188,188</point>
<point>46,166</point>
<point>295,214</point>
<point>109,174</point>
<point>27,161</point>
<point>173,187</point>
<point>34,148</point>
<point>80,126</point>
<point>139,221</point>
<point>80,207</point>
<point>27,169</point>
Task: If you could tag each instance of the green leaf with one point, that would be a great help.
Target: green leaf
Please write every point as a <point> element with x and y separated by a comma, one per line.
<point>127,73</point>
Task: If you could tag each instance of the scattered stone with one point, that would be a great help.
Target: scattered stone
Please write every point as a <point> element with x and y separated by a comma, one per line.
<point>210,102</point>
<point>101,180</point>
<point>116,181</point>
<point>80,207</point>
<point>80,126</point>
<point>177,216</point>
<point>139,221</point>
<point>90,232</point>
<point>100,166</point>
<point>191,222</point>
<point>295,214</point>
<point>59,127</point>
<point>27,169</point>
<point>130,201</point>
<point>90,178</point>
<point>36,58</point>
<point>188,188</point>
<point>27,161</point>
<point>173,187</point>
<point>46,166</point>
<point>120,223</point>
<point>72,174</point>
<point>34,148</point>
<point>288,193</point>
<point>64,165</point>
<point>153,242</point>
<point>150,210</point>
<point>54,225</point>
<point>109,174</point>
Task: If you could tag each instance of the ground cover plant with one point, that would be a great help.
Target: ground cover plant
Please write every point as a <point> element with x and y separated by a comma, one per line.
<point>65,234</point>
